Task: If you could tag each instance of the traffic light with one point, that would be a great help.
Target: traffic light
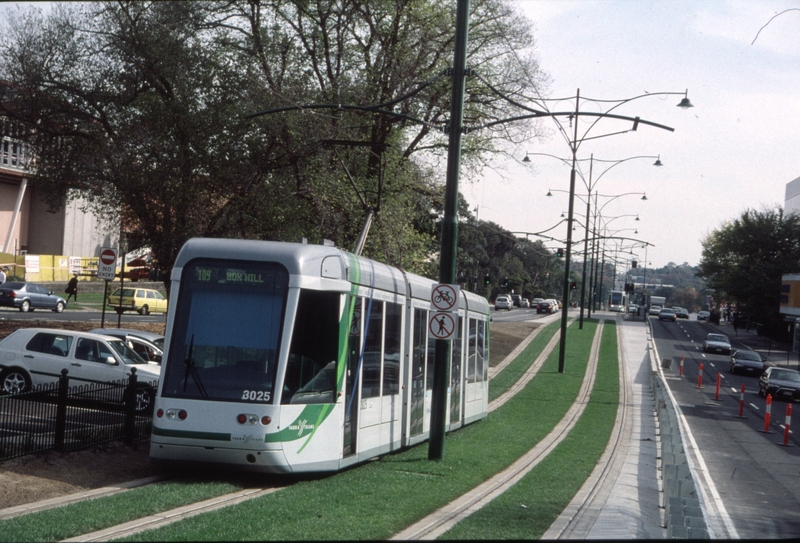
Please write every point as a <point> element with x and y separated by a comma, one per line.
<point>486,280</point>
<point>560,252</point>
<point>573,285</point>
<point>633,263</point>
<point>505,282</point>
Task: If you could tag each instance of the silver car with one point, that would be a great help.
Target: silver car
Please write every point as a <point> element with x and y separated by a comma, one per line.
<point>717,343</point>
<point>29,296</point>
<point>503,302</point>
<point>36,356</point>
<point>148,345</point>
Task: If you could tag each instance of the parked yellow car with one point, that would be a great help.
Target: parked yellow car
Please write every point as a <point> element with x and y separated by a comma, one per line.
<point>143,300</point>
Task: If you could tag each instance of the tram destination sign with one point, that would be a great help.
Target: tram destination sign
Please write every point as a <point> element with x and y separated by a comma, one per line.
<point>224,274</point>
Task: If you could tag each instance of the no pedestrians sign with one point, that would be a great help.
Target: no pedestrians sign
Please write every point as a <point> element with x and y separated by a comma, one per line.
<point>107,265</point>
<point>442,325</point>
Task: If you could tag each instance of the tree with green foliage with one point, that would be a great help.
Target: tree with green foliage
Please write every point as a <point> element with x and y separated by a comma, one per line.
<point>745,259</point>
<point>142,107</point>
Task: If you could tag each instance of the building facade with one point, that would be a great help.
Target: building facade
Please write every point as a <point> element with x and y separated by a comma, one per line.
<point>26,226</point>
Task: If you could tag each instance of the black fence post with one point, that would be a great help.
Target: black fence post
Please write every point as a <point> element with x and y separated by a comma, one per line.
<point>61,410</point>
<point>130,408</point>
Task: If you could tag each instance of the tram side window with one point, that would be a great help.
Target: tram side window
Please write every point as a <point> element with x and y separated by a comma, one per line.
<point>484,350</point>
<point>371,370</point>
<point>311,369</point>
<point>420,342</point>
<point>473,351</point>
<point>391,351</point>
<point>431,357</point>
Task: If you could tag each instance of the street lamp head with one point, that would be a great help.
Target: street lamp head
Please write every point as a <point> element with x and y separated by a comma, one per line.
<point>644,196</point>
<point>685,103</point>
<point>549,193</point>
<point>637,218</point>
<point>526,159</point>
<point>658,161</point>
<point>562,214</point>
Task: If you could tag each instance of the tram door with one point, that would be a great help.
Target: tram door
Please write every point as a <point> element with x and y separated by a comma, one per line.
<point>455,375</point>
<point>351,400</point>
<point>420,331</point>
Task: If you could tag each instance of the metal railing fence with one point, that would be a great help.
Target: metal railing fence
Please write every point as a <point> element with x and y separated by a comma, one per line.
<point>58,417</point>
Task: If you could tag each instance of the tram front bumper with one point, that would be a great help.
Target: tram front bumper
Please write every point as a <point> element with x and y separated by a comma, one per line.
<point>264,461</point>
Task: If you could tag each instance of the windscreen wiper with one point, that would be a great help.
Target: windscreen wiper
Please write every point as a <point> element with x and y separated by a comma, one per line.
<point>191,369</point>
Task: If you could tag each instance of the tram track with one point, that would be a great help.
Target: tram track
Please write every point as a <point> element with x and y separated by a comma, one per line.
<point>468,503</point>
<point>445,518</point>
<point>582,512</point>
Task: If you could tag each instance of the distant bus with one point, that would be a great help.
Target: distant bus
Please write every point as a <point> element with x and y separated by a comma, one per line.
<point>617,300</point>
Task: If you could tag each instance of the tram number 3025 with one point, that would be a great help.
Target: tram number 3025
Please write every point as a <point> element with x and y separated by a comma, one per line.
<point>255,395</point>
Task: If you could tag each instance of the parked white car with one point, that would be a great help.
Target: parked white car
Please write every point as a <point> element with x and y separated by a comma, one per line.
<point>35,356</point>
<point>503,302</point>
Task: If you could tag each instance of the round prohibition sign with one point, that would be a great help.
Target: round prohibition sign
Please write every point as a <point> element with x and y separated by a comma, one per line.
<point>108,257</point>
<point>444,297</point>
<point>442,326</point>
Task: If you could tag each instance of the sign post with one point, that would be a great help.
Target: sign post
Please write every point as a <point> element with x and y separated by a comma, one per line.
<point>106,270</point>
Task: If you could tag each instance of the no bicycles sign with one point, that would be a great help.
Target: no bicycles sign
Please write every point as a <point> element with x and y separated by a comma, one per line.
<point>445,297</point>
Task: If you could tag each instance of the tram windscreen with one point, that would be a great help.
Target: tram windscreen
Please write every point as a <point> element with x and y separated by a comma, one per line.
<point>226,333</point>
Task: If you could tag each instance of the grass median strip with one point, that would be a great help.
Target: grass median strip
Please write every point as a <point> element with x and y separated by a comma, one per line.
<point>89,516</point>
<point>516,369</point>
<point>373,501</point>
<point>381,498</point>
<point>528,509</point>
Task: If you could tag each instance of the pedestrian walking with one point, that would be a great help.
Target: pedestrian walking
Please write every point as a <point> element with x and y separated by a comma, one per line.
<point>72,289</point>
<point>2,276</point>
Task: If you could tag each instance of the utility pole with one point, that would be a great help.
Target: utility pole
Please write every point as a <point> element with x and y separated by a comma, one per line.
<point>447,257</point>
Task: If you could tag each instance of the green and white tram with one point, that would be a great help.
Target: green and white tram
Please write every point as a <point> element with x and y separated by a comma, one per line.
<point>287,357</point>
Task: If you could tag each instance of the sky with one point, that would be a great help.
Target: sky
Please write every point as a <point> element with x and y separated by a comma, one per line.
<point>736,149</point>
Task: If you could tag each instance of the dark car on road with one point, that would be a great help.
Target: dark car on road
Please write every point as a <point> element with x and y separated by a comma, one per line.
<point>681,312</point>
<point>667,314</point>
<point>545,306</point>
<point>781,383</point>
<point>746,362</point>
<point>29,296</point>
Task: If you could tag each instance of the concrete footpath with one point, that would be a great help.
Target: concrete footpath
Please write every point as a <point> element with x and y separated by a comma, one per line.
<point>622,498</point>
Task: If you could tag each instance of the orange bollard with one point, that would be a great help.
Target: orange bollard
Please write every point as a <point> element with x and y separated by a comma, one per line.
<point>700,376</point>
<point>680,370</point>
<point>768,414</point>
<point>787,425</point>
<point>719,380</point>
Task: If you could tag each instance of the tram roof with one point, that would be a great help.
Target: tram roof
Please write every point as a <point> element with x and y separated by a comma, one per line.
<point>319,260</point>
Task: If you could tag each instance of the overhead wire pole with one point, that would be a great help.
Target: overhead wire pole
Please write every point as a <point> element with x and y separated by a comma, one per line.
<point>586,242</point>
<point>447,257</point>
<point>562,346</point>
